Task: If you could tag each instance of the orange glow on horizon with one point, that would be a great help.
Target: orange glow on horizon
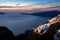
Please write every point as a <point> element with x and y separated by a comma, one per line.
<point>30,8</point>
<point>24,8</point>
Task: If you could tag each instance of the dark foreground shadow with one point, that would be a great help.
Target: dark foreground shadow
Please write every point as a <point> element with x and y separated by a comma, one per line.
<point>6,34</point>
<point>49,35</point>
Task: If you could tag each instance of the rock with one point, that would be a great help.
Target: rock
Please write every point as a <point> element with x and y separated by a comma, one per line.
<point>30,35</point>
<point>6,34</point>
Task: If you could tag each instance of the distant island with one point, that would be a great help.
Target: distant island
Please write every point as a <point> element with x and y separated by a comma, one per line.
<point>2,13</point>
<point>45,13</point>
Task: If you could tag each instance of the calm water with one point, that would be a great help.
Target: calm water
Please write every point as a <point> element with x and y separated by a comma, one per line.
<point>18,23</point>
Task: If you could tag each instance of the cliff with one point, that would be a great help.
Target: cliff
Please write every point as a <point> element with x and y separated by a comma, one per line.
<point>6,34</point>
<point>49,35</point>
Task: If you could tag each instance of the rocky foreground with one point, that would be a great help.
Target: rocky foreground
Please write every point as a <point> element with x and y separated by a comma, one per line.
<point>6,34</point>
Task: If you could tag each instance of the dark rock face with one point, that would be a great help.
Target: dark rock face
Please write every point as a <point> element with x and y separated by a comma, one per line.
<point>30,35</point>
<point>6,34</point>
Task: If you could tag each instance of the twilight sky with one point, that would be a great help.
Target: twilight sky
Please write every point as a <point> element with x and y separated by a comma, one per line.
<point>29,4</point>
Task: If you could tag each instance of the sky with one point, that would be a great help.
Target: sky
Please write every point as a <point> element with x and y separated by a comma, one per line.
<point>29,4</point>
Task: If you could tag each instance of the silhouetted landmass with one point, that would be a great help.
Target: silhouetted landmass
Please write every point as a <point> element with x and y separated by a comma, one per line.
<point>30,35</point>
<point>6,34</point>
<point>2,13</point>
<point>45,14</point>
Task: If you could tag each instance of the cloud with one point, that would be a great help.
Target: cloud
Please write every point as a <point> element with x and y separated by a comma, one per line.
<point>6,4</point>
<point>30,8</point>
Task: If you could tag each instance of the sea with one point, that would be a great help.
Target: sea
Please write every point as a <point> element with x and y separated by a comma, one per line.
<point>18,23</point>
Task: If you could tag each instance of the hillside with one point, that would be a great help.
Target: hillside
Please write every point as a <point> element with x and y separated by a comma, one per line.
<point>45,14</point>
<point>49,35</point>
<point>6,34</point>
